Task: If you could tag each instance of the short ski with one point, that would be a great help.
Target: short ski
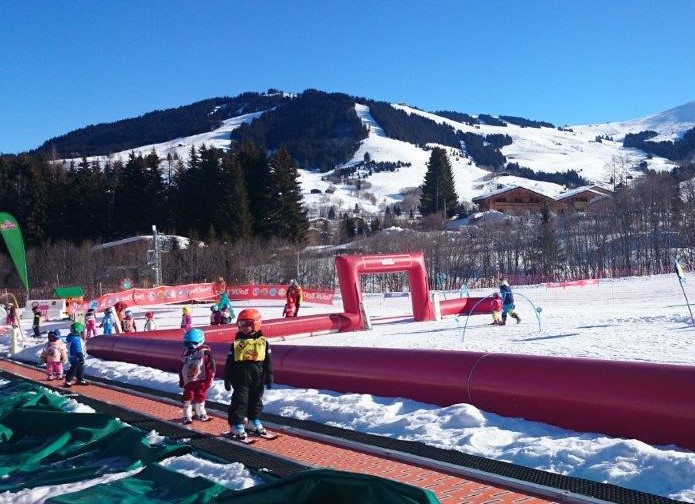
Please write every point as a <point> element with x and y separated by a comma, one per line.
<point>268,436</point>
<point>247,440</point>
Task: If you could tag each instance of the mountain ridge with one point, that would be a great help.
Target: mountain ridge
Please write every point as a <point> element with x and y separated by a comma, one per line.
<point>588,150</point>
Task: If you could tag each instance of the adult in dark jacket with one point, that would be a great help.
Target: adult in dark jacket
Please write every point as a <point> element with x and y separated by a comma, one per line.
<point>247,369</point>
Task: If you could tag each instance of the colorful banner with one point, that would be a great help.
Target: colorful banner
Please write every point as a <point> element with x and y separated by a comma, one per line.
<point>202,292</point>
<point>12,235</point>
<point>572,283</point>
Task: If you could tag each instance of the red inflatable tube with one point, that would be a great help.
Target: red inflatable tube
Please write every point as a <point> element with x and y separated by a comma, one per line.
<point>650,402</point>
<point>646,401</point>
<point>466,306</point>
<point>309,325</point>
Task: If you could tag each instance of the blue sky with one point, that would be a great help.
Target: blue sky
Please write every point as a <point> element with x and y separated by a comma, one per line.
<point>67,64</point>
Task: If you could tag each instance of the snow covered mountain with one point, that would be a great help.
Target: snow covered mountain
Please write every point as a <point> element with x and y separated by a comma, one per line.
<point>587,149</point>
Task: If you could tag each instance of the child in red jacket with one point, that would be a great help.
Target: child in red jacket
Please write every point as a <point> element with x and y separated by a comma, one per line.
<point>196,375</point>
<point>496,309</point>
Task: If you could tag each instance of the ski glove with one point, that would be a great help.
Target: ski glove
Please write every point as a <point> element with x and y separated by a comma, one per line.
<point>227,386</point>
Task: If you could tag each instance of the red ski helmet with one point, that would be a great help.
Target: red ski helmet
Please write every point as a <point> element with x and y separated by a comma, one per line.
<point>250,315</point>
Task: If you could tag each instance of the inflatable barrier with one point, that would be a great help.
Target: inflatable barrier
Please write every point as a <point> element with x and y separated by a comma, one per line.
<point>649,402</point>
<point>466,306</point>
<point>309,325</point>
<point>646,401</point>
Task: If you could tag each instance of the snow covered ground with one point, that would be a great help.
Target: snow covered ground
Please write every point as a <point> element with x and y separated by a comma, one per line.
<point>636,319</point>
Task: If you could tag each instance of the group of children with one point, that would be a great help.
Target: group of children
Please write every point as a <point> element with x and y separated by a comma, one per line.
<point>222,313</point>
<point>248,370</point>
<point>56,353</point>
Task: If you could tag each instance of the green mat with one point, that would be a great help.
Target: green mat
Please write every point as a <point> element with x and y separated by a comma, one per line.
<point>318,486</point>
<point>154,484</point>
<point>40,444</point>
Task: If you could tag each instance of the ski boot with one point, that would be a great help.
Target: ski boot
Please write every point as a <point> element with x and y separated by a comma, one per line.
<point>238,432</point>
<point>257,429</point>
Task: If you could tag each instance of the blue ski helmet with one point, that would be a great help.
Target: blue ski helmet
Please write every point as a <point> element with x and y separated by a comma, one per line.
<point>214,308</point>
<point>193,338</point>
<point>57,333</point>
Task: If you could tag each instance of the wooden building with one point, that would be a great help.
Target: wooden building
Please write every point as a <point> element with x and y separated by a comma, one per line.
<point>514,200</point>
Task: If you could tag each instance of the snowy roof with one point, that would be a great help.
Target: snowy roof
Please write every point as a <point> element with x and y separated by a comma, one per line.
<point>579,190</point>
<point>507,189</point>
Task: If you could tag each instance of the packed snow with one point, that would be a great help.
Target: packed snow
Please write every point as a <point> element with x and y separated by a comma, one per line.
<point>634,319</point>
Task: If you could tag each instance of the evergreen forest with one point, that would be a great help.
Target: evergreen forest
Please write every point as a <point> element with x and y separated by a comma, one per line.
<point>229,196</point>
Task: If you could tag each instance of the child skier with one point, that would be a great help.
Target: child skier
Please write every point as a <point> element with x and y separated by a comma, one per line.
<point>128,322</point>
<point>215,315</point>
<point>289,310</point>
<point>225,307</point>
<point>507,302</point>
<point>108,322</point>
<point>36,322</point>
<point>150,322</point>
<point>295,294</point>
<point>186,319</point>
<point>90,323</point>
<point>54,354</point>
<point>75,347</point>
<point>247,369</point>
<point>496,309</point>
<point>196,375</point>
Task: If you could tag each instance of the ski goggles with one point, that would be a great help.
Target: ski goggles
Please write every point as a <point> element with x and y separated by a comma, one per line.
<point>244,323</point>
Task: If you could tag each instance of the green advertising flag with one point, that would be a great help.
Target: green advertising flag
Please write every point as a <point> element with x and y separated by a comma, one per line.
<point>15,244</point>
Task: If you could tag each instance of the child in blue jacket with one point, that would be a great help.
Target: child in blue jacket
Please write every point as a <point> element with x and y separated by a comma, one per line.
<point>108,322</point>
<point>508,306</point>
<point>76,353</point>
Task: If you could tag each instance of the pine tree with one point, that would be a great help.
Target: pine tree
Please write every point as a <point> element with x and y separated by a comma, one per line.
<point>188,189</point>
<point>211,192</point>
<point>259,187</point>
<point>138,195</point>
<point>545,247</point>
<point>38,207</point>
<point>237,221</point>
<point>438,192</point>
<point>290,217</point>
<point>83,206</point>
